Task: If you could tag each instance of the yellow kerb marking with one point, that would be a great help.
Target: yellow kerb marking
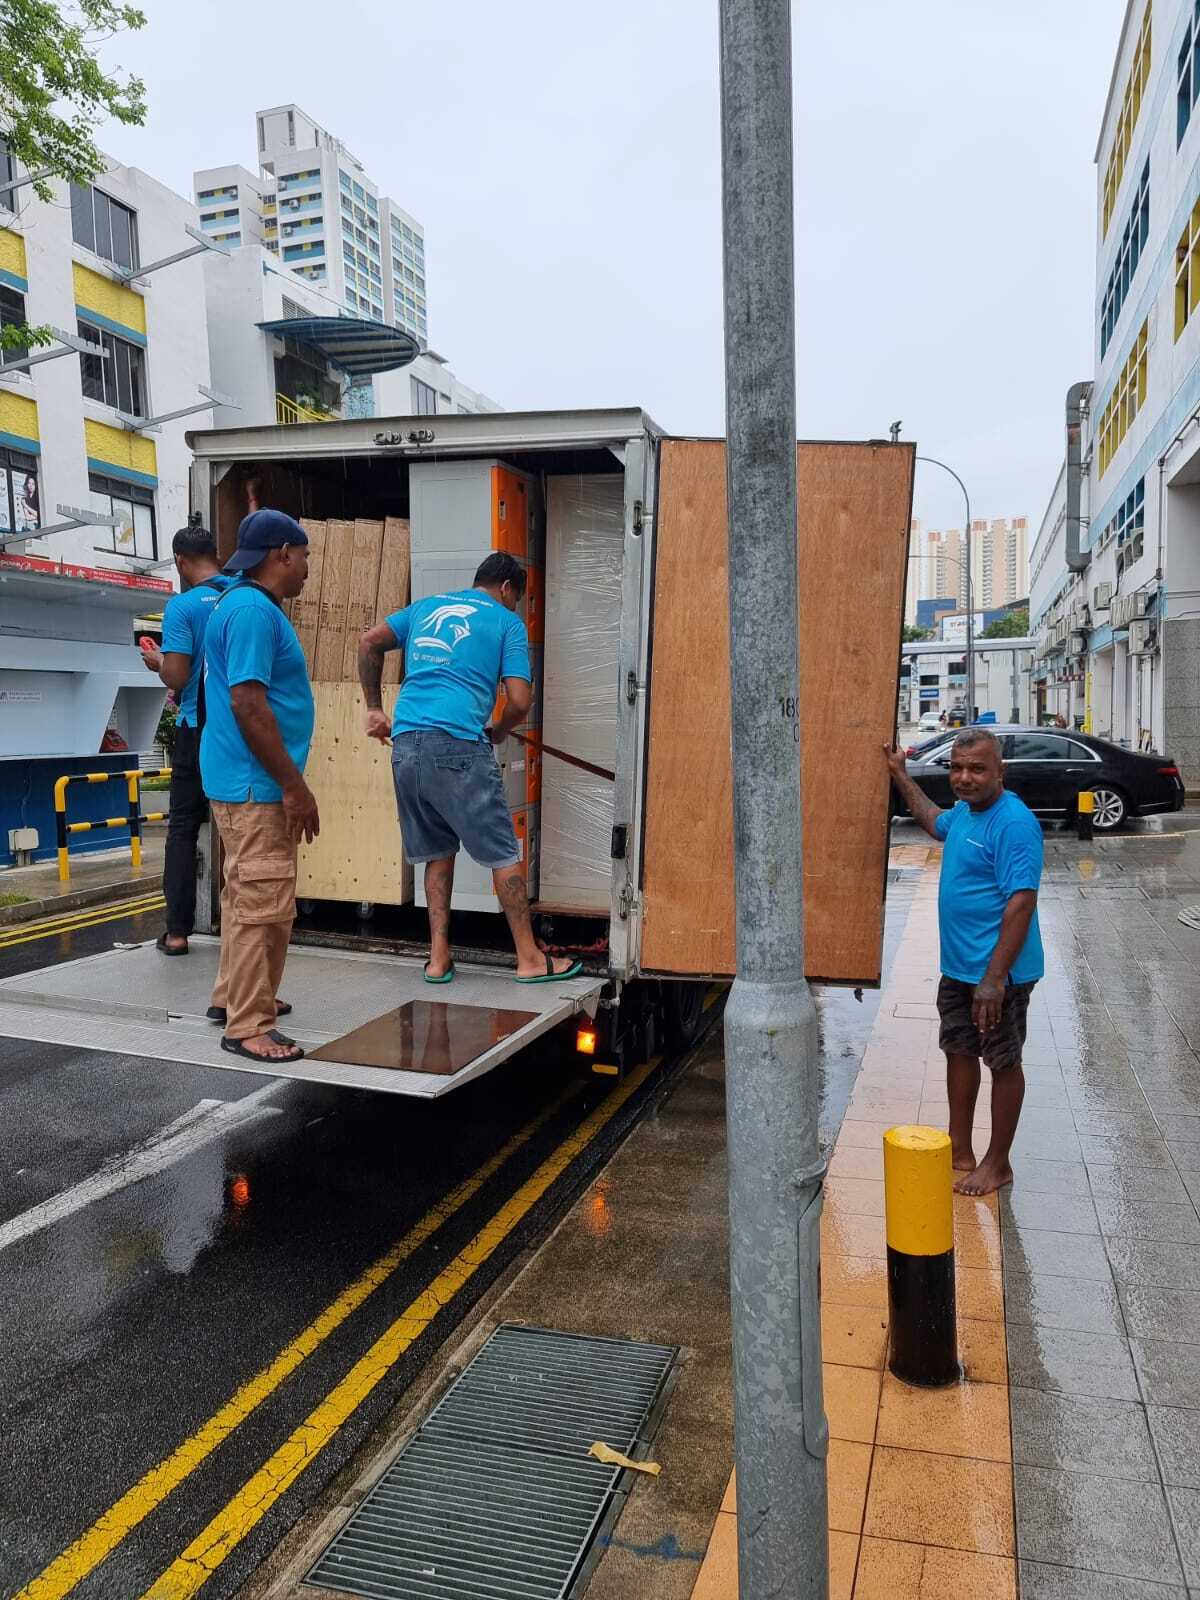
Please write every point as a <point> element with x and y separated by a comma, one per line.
<point>918,1190</point>
<point>256,1497</point>
<point>102,1538</point>
<point>78,923</point>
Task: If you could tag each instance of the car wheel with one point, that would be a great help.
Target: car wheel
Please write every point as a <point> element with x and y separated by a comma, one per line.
<point>1111,809</point>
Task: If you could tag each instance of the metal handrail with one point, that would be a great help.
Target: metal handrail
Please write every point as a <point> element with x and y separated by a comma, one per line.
<point>287,410</point>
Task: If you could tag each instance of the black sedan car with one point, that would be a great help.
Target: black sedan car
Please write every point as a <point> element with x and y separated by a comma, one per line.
<point>1047,768</point>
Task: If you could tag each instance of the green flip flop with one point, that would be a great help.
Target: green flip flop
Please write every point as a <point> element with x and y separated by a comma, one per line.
<point>550,976</point>
<point>446,977</point>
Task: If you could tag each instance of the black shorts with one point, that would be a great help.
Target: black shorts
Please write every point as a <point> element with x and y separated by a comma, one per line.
<point>959,1036</point>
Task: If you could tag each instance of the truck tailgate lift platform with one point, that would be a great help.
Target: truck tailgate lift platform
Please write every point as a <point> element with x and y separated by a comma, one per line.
<point>442,1037</point>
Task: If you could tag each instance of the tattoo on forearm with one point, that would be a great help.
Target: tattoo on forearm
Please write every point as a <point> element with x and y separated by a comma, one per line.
<point>370,675</point>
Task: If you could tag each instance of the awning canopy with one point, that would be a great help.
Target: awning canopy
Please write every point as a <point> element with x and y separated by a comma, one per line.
<point>359,347</point>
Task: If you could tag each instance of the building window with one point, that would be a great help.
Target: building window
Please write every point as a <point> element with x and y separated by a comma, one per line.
<point>8,171</point>
<point>121,380</point>
<point>1126,400</point>
<point>424,399</point>
<point>344,180</point>
<point>1187,271</point>
<point>104,226</point>
<point>20,495</point>
<point>134,534</point>
<point>1131,104</point>
<point>1187,75</point>
<point>1133,242</point>
<point>12,315</point>
<point>1128,526</point>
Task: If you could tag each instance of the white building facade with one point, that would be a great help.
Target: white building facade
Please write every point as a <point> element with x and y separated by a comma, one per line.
<point>933,677</point>
<point>81,430</point>
<point>1115,585</point>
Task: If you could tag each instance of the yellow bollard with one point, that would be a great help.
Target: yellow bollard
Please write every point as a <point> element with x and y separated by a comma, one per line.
<point>918,1188</point>
<point>1085,811</point>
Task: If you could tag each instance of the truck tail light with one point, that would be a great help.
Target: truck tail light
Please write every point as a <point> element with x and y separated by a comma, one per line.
<point>585,1041</point>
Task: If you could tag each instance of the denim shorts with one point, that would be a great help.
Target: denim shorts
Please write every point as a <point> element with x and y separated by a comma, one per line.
<point>449,794</point>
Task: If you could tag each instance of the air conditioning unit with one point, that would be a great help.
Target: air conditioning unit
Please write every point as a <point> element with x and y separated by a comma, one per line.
<point>1076,644</point>
<point>1102,596</point>
<point>1140,638</point>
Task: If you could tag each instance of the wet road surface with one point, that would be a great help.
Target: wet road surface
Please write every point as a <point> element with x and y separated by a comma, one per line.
<point>194,1260</point>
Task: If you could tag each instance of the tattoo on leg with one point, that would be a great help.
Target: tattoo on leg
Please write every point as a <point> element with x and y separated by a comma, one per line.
<point>512,896</point>
<point>439,880</point>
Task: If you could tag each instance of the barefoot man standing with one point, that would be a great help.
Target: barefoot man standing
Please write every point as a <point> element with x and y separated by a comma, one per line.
<point>991,948</point>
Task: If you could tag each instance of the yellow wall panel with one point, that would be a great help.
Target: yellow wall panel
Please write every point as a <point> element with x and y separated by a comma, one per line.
<point>111,300</point>
<point>18,416</point>
<point>119,448</point>
<point>12,253</point>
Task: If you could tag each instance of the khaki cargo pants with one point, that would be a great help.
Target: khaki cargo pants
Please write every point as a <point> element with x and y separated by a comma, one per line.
<point>258,907</point>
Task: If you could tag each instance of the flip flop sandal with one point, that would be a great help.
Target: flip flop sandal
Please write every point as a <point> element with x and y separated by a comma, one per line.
<point>220,1015</point>
<point>551,976</point>
<point>161,944</point>
<point>446,977</point>
<point>237,1048</point>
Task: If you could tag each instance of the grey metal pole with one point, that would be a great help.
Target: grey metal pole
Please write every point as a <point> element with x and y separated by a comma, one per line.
<point>771,1046</point>
<point>934,462</point>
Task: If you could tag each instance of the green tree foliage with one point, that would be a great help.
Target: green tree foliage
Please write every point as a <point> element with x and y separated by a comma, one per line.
<point>54,92</point>
<point>913,635</point>
<point>1013,626</point>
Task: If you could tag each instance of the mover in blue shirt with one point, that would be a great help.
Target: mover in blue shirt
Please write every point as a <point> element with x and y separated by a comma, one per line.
<point>991,946</point>
<point>179,663</point>
<point>458,649</point>
<point>257,730</point>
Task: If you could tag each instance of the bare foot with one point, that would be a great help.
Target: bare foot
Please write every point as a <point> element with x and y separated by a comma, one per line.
<point>986,1179</point>
<point>269,1049</point>
<point>964,1161</point>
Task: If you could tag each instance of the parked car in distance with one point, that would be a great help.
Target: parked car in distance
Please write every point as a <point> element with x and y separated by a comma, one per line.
<point>929,723</point>
<point>1047,768</point>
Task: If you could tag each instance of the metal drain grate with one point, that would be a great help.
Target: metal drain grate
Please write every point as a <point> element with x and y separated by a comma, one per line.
<point>495,1496</point>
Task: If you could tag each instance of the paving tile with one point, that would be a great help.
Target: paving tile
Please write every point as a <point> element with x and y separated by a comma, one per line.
<point>1048,1094</point>
<point>1147,1219</point>
<point>1052,1177</point>
<point>1176,1435</point>
<point>1185,1153</point>
<point>1185,1508</point>
<point>1151,1261</point>
<point>1152,1312</point>
<point>1084,1304</point>
<point>1048,1144</point>
<point>889,1570</point>
<point>1138,1183</point>
<point>862,1134</point>
<point>1116,1150</point>
<point>983,1351</point>
<point>1063,1255</point>
<point>1132,1123</point>
<point>1070,1583</point>
<point>1169,1371</point>
<point>1080,1520</point>
<point>1088,1098</point>
<point>976,1246</point>
<point>951,1501</point>
<point>843,1558</point>
<point>848,1162</point>
<point>718,1578</point>
<point>1178,1125</point>
<point>1045,1119</point>
<point>849,1468</point>
<point>1060,1213</point>
<point>1070,1362</point>
<point>979,1293</point>
<point>853,1336</point>
<point>851,1402</point>
<point>964,1419</point>
<point>858,1197</point>
<point>1075,1433</point>
<point>853,1236</point>
<point>853,1281</point>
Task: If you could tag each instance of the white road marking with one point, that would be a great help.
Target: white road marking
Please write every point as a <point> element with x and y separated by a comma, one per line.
<point>206,1121</point>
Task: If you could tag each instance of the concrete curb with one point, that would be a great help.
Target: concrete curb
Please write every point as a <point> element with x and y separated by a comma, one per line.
<point>97,895</point>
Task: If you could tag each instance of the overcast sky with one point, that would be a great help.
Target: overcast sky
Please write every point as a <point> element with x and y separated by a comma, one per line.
<point>565,162</point>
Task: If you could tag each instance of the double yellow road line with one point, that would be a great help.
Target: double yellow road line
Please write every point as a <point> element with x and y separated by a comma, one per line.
<point>71,921</point>
<point>189,1572</point>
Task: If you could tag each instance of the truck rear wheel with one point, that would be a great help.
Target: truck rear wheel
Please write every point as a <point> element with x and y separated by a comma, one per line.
<point>683,1013</point>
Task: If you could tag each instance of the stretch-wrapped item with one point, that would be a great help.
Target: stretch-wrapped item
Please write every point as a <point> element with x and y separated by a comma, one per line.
<point>584,549</point>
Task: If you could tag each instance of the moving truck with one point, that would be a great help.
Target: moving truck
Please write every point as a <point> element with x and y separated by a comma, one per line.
<point>620,785</point>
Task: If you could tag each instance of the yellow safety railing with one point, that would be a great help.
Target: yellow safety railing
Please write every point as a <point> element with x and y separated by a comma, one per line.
<point>132,820</point>
<point>292,411</point>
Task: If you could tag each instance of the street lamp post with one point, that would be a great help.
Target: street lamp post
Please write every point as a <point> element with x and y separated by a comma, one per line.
<point>934,462</point>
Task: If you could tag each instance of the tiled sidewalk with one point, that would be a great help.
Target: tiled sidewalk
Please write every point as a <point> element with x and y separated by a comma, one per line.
<point>1089,1340</point>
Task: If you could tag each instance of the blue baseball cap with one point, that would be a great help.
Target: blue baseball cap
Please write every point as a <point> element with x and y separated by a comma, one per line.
<point>260,532</point>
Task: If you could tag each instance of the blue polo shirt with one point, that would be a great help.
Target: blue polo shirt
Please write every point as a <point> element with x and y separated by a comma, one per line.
<point>457,647</point>
<point>989,856</point>
<point>184,622</point>
<point>249,640</point>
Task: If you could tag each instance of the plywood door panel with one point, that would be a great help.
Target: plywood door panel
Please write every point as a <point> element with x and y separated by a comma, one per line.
<point>394,568</point>
<point>854,509</point>
<point>335,597</point>
<point>364,586</point>
<point>357,855</point>
<point>306,608</point>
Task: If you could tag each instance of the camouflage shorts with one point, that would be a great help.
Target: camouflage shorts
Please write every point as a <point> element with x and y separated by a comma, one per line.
<point>1002,1046</point>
